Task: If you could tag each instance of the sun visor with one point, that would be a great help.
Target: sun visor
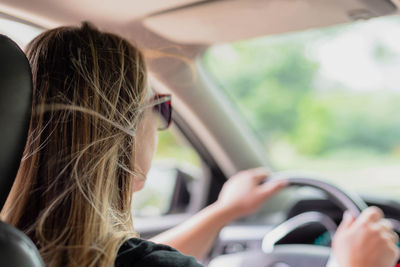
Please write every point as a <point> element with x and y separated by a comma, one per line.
<point>231,20</point>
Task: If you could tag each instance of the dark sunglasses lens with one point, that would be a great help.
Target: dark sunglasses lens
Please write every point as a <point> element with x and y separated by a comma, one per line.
<point>163,111</point>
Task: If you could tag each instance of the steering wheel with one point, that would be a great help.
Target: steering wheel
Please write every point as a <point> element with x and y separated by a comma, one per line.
<point>297,255</point>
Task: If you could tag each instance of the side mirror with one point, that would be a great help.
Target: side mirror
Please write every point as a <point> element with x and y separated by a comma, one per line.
<point>181,196</point>
<point>167,191</point>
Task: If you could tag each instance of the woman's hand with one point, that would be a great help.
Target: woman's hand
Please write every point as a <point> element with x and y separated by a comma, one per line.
<point>245,192</point>
<point>368,241</point>
<point>242,194</point>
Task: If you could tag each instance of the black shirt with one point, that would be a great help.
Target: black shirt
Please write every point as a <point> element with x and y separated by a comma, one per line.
<point>141,253</point>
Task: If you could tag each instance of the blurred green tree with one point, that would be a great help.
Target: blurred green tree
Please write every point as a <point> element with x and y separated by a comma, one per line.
<point>274,85</point>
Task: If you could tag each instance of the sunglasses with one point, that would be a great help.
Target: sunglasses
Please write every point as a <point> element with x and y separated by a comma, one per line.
<point>163,110</point>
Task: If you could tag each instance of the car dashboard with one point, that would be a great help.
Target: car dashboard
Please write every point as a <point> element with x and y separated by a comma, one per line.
<point>248,233</point>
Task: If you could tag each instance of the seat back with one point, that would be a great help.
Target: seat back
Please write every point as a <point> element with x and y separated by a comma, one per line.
<point>16,249</point>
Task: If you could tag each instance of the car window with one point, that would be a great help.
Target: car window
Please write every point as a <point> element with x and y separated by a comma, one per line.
<point>323,100</point>
<point>19,32</point>
<point>175,159</point>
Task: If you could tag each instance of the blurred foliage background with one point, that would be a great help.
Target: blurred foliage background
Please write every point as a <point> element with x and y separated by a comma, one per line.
<point>306,119</point>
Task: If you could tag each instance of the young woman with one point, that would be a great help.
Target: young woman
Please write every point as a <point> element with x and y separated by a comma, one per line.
<point>91,140</point>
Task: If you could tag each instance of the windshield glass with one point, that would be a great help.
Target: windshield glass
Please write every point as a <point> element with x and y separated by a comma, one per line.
<point>323,100</point>
<point>19,32</point>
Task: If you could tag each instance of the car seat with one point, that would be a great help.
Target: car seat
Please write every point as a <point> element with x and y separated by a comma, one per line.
<point>16,249</point>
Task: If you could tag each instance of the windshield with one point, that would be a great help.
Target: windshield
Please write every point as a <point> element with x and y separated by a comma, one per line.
<point>19,32</point>
<point>324,100</point>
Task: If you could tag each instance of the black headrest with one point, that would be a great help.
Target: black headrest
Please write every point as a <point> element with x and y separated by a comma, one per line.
<point>15,110</point>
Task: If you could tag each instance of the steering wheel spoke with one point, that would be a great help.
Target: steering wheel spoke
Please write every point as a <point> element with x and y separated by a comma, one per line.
<point>288,226</point>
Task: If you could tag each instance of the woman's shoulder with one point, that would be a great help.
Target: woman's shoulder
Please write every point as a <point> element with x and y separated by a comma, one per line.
<point>140,253</point>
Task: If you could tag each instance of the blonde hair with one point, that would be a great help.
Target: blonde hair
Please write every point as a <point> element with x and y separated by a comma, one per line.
<point>73,192</point>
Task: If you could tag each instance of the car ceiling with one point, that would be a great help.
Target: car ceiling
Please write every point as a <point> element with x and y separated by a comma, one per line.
<point>200,21</point>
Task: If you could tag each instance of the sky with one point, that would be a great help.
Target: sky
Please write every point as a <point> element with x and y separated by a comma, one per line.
<point>349,58</point>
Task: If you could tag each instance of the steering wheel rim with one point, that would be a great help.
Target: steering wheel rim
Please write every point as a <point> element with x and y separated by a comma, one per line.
<point>347,201</point>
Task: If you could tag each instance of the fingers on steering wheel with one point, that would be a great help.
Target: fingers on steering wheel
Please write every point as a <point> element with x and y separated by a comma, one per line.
<point>387,225</point>
<point>371,214</point>
<point>270,188</point>
<point>394,237</point>
<point>260,174</point>
<point>347,220</point>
